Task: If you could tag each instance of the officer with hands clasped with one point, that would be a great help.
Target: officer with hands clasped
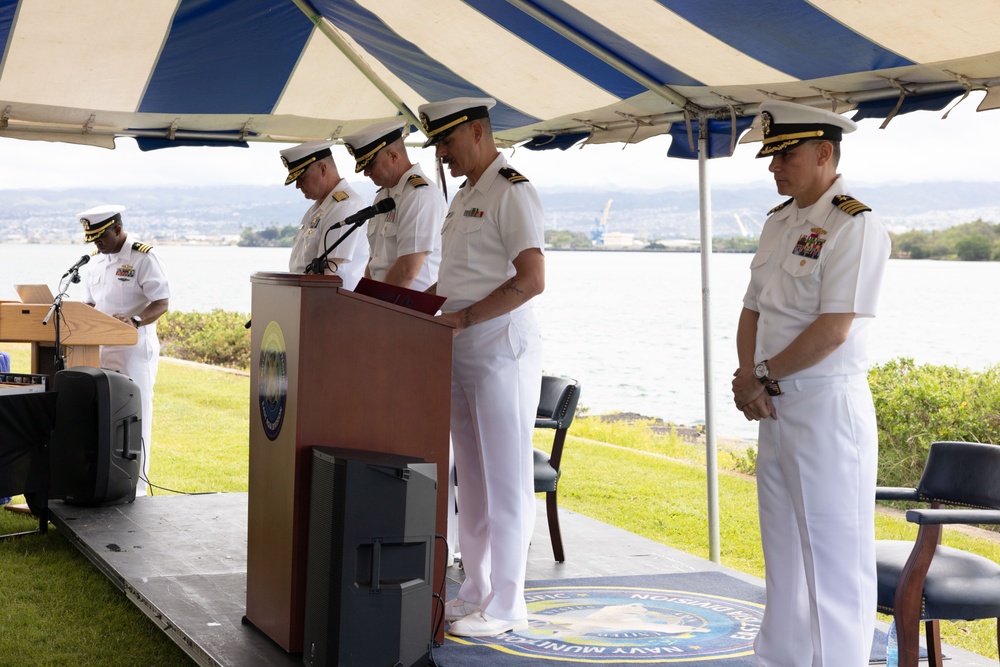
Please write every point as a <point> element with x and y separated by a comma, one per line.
<point>802,347</point>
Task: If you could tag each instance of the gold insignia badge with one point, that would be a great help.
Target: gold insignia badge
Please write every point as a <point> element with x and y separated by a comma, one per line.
<point>765,122</point>
<point>425,121</point>
<point>818,230</point>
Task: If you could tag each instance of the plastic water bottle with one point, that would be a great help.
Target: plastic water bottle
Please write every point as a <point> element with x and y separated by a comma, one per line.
<point>891,648</point>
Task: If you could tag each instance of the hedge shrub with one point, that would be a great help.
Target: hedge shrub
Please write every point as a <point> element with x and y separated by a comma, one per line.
<point>219,338</point>
<point>917,405</point>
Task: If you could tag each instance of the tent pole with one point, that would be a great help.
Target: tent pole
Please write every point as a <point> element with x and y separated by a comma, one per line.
<point>711,452</point>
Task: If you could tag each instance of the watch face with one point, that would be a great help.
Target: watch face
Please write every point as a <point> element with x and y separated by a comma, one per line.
<point>760,371</point>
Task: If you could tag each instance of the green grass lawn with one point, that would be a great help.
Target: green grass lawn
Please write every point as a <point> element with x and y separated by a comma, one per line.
<point>57,609</point>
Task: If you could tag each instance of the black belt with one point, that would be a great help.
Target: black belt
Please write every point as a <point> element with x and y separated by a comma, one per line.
<point>772,388</point>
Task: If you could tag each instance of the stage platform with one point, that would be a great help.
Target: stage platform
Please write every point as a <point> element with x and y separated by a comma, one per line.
<point>182,561</point>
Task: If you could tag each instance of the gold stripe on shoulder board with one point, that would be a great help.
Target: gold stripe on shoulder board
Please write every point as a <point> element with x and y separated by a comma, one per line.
<point>780,206</point>
<point>340,195</point>
<point>849,205</point>
<point>416,181</point>
<point>512,175</point>
<point>141,247</point>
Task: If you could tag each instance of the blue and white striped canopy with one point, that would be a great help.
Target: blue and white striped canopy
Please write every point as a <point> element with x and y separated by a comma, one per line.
<point>182,71</point>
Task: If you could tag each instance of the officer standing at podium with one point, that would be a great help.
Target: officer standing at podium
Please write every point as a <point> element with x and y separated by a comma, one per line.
<point>492,266</point>
<point>405,243</point>
<point>128,282</point>
<point>312,169</point>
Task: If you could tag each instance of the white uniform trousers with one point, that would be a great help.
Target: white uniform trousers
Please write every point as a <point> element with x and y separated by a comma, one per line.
<point>139,362</point>
<point>496,384</point>
<point>816,468</point>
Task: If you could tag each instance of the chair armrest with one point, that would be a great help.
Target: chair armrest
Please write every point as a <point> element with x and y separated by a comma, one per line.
<point>929,516</point>
<point>896,493</point>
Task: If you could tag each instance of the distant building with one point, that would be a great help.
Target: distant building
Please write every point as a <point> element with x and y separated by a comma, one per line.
<point>618,240</point>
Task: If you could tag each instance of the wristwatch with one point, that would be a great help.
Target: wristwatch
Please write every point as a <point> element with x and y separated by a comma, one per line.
<point>137,321</point>
<point>760,372</point>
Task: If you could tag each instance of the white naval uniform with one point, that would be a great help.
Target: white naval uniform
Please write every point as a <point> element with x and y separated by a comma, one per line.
<point>496,382</point>
<point>126,282</point>
<point>311,240</point>
<point>816,463</point>
<point>413,226</point>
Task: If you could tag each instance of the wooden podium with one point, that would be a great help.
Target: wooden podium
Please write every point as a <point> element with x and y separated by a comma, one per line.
<point>331,368</point>
<point>83,330</point>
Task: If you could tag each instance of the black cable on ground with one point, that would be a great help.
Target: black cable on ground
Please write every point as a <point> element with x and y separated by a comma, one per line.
<point>438,621</point>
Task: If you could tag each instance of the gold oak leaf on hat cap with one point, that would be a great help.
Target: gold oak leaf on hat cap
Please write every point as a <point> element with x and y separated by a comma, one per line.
<point>365,145</point>
<point>298,158</point>
<point>96,220</point>
<point>787,124</point>
<point>440,118</point>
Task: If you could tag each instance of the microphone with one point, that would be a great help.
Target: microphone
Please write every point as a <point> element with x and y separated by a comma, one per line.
<point>76,267</point>
<point>383,206</point>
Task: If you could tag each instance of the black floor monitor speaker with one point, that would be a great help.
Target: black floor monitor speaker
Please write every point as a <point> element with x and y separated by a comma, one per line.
<point>369,571</point>
<point>97,441</point>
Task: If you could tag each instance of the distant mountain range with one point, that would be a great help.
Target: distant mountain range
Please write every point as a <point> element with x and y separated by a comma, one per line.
<point>211,215</point>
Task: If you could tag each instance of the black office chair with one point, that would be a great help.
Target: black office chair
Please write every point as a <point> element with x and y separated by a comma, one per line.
<point>556,408</point>
<point>924,581</point>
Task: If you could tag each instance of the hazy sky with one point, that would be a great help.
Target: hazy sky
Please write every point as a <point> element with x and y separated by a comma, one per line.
<point>916,147</point>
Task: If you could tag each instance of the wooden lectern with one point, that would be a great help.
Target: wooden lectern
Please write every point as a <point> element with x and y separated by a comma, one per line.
<point>83,330</point>
<point>331,368</point>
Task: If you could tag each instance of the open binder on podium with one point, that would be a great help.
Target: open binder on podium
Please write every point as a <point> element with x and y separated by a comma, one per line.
<point>400,296</point>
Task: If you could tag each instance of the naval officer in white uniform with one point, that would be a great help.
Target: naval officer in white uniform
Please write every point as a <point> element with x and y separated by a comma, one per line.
<point>404,244</point>
<point>312,169</point>
<point>492,266</point>
<point>127,281</point>
<point>802,341</point>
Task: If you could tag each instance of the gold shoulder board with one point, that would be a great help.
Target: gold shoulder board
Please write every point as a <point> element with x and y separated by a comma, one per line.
<point>849,205</point>
<point>340,195</point>
<point>512,175</point>
<point>780,206</point>
<point>141,247</point>
<point>416,181</point>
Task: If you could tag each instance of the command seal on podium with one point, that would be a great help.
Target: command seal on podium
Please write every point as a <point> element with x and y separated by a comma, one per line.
<point>272,386</point>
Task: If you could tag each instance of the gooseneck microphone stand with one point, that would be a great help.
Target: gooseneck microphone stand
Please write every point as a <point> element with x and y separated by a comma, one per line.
<point>71,276</point>
<point>318,265</point>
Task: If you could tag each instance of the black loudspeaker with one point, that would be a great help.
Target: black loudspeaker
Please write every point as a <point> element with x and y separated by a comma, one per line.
<point>369,571</point>
<point>96,445</point>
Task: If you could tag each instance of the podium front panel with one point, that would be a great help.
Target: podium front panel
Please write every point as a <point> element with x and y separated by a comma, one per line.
<point>336,369</point>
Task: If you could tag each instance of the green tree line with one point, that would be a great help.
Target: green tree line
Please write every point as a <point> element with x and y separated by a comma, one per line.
<point>972,242</point>
<point>976,241</point>
<point>270,237</point>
